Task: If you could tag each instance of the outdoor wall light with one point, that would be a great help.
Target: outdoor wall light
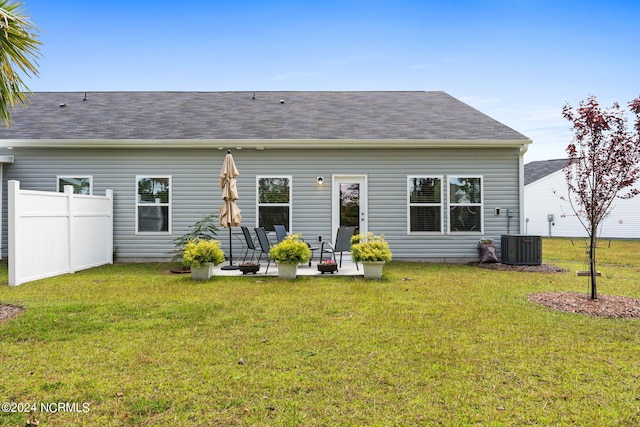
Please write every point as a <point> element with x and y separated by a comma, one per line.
<point>320,180</point>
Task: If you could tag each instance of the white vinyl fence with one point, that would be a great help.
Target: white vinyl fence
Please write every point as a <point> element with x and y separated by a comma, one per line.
<point>57,233</point>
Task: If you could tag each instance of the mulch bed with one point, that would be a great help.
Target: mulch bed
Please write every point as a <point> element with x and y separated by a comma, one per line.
<point>9,311</point>
<point>542,268</point>
<point>610,306</point>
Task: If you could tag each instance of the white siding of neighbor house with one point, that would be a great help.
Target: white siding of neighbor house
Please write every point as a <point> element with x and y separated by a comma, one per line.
<point>196,190</point>
<point>541,201</point>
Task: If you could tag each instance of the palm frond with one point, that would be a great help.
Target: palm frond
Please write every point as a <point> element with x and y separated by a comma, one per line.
<point>19,52</point>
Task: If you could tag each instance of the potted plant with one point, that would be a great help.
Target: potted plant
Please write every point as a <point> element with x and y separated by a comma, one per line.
<point>203,229</point>
<point>201,256</point>
<point>327,266</point>
<point>290,252</point>
<point>372,251</point>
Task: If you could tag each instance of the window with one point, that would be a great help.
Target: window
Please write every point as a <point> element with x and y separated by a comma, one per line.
<point>425,204</point>
<point>81,184</point>
<point>465,204</point>
<point>274,202</point>
<point>153,204</point>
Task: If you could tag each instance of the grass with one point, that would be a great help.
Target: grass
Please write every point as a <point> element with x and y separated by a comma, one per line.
<point>438,345</point>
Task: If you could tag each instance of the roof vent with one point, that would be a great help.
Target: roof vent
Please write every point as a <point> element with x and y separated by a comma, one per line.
<point>62,105</point>
<point>282,101</point>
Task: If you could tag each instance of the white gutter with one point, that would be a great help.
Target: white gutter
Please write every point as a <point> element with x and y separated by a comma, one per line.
<point>263,144</point>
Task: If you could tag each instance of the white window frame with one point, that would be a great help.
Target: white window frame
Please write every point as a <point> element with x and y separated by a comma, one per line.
<point>439,204</point>
<point>451,204</point>
<point>140,203</point>
<point>288,205</point>
<point>61,190</point>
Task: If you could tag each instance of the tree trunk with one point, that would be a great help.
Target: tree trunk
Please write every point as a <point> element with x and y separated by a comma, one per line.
<point>592,264</point>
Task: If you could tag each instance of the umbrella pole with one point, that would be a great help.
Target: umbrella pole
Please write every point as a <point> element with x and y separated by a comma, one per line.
<point>230,266</point>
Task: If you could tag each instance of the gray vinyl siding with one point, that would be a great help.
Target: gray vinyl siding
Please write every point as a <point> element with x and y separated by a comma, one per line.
<point>196,190</point>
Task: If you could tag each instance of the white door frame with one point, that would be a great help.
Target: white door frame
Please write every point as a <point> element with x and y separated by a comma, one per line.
<point>336,180</point>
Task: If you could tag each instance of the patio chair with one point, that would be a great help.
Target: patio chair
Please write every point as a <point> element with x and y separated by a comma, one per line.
<point>341,244</point>
<point>281,232</point>
<point>265,245</point>
<point>250,244</point>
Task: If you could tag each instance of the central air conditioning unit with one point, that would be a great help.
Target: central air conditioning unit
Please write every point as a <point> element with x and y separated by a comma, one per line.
<point>519,249</point>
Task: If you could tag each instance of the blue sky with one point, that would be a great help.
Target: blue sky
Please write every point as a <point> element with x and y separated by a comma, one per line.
<point>518,61</point>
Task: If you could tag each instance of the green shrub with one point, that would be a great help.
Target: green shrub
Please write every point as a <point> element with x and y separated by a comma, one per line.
<point>198,252</point>
<point>291,250</point>
<point>370,247</point>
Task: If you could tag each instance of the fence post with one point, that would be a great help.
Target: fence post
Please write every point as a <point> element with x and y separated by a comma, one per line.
<point>13,208</point>
<point>109,238</point>
<point>68,192</point>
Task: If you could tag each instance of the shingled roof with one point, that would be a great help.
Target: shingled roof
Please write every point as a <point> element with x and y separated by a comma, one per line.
<point>534,171</point>
<point>253,116</point>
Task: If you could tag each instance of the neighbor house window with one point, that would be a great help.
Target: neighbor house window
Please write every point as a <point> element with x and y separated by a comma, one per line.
<point>153,204</point>
<point>81,184</point>
<point>465,204</point>
<point>274,201</point>
<point>425,204</point>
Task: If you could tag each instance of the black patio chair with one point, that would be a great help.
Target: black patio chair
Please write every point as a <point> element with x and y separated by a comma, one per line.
<point>281,232</point>
<point>341,244</point>
<point>265,245</point>
<point>250,245</point>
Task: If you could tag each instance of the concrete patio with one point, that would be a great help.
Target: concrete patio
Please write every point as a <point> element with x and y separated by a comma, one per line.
<point>348,269</point>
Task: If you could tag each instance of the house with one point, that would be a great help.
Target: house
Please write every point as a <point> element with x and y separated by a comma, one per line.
<point>547,214</point>
<point>431,173</point>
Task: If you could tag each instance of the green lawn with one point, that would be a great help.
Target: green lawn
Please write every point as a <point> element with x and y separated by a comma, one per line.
<point>429,345</point>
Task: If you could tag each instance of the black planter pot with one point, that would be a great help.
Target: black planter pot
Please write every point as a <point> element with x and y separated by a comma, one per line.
<point>249,268</point>
<point>327,268</point>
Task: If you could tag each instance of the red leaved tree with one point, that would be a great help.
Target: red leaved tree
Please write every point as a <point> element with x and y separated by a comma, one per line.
<point>604,164</point>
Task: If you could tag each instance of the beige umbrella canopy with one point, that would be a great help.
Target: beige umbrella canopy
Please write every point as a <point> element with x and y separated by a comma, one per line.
<point>229,212</point>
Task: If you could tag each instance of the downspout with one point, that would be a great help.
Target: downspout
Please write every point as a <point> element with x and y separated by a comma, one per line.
<point>3,160</point>
<point>521,219</point>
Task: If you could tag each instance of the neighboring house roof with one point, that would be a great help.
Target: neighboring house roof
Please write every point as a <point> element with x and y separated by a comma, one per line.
<point>66,118</point>
<point>546,195</point>
<point>537,170</point>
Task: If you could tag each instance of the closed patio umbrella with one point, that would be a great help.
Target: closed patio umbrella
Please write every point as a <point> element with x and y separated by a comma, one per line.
<point>229,212</point>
